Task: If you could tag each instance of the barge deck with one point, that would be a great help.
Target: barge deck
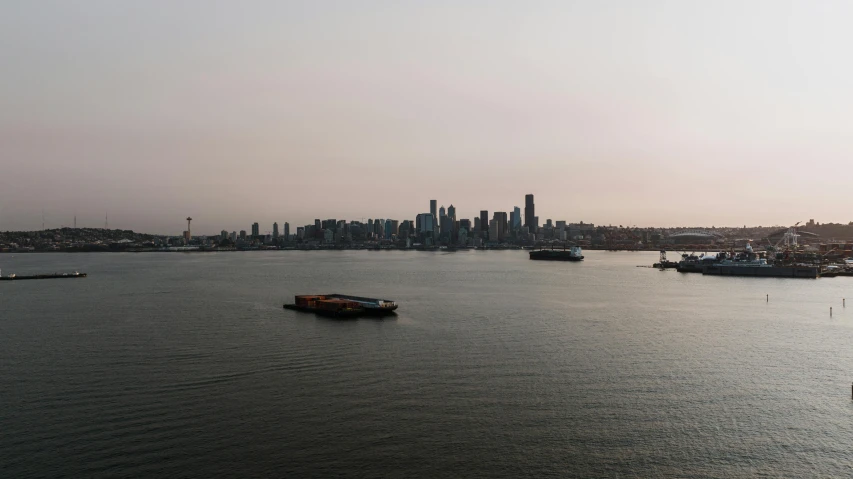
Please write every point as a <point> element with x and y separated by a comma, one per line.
<point>342,306</point>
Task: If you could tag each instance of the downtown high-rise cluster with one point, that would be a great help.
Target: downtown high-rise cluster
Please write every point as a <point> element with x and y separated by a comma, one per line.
<point>439,226</point>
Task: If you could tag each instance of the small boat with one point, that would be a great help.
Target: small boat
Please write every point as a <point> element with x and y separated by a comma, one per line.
<point>342,305</point>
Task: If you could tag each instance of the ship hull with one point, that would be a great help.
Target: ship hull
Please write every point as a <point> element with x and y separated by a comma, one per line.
<point>554,255</point>
<point>689,268</point>
<point>764,272</point>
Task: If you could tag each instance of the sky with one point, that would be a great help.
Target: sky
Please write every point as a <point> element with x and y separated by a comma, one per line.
<point>652,113</point>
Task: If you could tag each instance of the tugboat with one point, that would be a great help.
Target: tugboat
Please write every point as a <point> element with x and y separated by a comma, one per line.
<point>573,254</point>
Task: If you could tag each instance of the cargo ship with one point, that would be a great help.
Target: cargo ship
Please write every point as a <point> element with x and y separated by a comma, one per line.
<point>342,305</point>
<point>573,254</point>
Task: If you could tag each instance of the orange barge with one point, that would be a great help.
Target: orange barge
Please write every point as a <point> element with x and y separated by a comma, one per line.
<point>342,305</point>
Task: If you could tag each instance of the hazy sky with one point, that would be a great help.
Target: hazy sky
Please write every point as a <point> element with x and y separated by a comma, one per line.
<point>625,112</point>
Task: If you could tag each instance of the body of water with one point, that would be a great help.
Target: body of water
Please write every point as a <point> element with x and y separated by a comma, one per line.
<point>186,365</point>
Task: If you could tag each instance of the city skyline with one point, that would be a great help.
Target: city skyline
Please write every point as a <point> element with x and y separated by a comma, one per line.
<point>47,221</point>
<point>654,114</point>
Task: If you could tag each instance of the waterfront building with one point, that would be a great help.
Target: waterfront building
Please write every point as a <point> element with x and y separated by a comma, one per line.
<point>405,229</point>
<point>233,236</point>
<point>256,230</point>
<point>287,231</point>
<point>300,232</point>
<point>484,224</point>
<point>243,235</point>
<point>223,235</point>
<point>516,222</point>
<point>275,230</point>
<point>432,208</point>
<point>425,227</point>
<point>445,228</point>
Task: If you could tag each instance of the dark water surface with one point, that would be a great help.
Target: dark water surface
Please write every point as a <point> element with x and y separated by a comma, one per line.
<point>185,365</point>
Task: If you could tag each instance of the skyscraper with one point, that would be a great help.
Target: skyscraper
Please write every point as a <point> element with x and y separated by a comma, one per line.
<point>256,230</point>
<point>516,222</point>
<point>433,204</point>
<point>529,213</point>
<point>499,220</point>
<point>287,231</point>
<point>424,224</point>
<point>275,230</point>
<point>484,224</point>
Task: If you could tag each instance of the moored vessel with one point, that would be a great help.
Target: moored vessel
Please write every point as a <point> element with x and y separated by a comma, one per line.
<point>748,263</point>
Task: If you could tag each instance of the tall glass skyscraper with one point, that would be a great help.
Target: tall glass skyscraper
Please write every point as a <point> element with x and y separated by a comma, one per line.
<point>529,213</point>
